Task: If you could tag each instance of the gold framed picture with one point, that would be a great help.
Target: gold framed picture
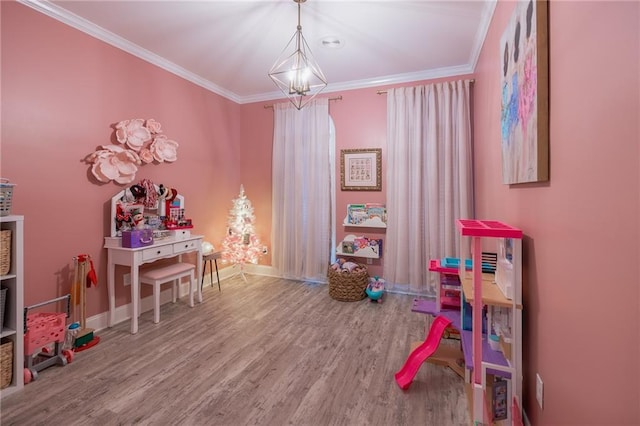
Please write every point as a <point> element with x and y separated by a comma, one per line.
<point>361,169</point>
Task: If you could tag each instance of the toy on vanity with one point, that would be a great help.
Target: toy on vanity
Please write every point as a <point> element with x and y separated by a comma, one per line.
<point>148,206</point>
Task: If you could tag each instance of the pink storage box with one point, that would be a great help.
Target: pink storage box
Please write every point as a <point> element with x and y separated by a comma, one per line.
<point>137,238</point>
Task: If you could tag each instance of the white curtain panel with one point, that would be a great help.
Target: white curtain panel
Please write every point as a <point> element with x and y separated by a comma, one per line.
<point>429,180</point>
<point>301,228</point>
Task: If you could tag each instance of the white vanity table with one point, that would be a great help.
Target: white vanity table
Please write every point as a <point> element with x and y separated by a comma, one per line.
<point>134,257</point>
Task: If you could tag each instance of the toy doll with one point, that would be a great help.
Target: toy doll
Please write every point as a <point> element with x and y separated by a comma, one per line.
<point>375,289</point>
<point>137,219</point>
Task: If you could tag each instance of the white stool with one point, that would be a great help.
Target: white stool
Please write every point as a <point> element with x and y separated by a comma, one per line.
<point>174,272</point>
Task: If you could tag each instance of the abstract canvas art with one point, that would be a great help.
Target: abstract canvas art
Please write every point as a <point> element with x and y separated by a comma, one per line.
<point>525,94</point>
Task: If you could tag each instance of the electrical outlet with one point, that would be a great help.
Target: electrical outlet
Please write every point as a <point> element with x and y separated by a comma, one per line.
<point>126,279</point>
<point>539,390</point>
<point>369,261</point>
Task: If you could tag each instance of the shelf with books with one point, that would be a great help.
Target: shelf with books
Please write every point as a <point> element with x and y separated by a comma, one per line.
<point>368,215</point>
<point>360,247</point>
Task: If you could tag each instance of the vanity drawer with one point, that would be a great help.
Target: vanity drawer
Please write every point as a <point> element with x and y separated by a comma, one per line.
<point>157,252</point>
<point>180,234</point>
<point>185,246</point>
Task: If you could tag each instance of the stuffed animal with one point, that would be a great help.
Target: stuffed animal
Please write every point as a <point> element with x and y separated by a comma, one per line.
<point>338,265</point>
<point>345,266</point>
<point>137,219</point>
<point>350,267</point>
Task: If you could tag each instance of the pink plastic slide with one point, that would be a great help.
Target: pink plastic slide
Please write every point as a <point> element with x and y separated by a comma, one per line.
<point>405,376</point>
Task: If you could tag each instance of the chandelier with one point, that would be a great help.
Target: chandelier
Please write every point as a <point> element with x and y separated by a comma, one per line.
<point>297,73</point>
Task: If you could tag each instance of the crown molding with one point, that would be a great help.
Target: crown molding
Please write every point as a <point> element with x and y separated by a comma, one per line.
<point>372,82</point>
<point>54,11</point>
<point>483,29</point>
<point>402,78</point>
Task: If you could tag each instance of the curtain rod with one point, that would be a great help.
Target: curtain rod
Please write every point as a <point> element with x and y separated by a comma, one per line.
<point>337,98</point>
<point>384,92</point>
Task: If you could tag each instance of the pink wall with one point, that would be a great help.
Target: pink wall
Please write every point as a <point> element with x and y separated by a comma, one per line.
<point>61,92</point>
<point>581,248</point>
<point>256,145</point>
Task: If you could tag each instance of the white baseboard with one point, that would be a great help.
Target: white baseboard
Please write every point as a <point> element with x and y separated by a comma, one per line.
<point>123,313</point>
<point>264,270</point>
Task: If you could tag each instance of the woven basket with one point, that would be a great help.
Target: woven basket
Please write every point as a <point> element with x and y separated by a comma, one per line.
<point>5,251</point>
<point>6,363</point>
<point>6,195</point>
<point>348,286</point>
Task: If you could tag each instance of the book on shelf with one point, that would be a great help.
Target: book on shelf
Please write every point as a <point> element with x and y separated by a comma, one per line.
<point>359,213</point>
<point>347,247</point>
<point>362,243</point>
<point>379,212</point>
<point>356,213</point>
<point>376,245</point>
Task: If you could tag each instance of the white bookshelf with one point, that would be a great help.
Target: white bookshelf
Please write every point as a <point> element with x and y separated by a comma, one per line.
<point>374,222</point>
<point>13,325</point>
<point>366,216</point>
<point>366,252</point>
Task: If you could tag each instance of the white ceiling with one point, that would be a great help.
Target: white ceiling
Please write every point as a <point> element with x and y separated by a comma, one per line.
<point>229,46</point>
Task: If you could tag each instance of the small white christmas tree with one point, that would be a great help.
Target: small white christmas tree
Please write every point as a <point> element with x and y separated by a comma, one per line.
<point>241,245</point>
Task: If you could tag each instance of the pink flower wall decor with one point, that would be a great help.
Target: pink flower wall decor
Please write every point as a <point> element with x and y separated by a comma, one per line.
<point>164,149</point>
<point>140,143</point>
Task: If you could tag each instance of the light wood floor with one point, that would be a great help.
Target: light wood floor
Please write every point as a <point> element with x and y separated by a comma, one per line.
<point>266,352</point>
